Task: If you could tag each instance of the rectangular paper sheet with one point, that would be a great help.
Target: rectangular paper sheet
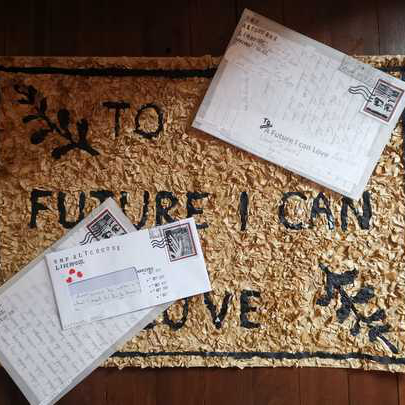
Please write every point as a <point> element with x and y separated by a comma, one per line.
<point>128,273</point>
<point>44,360</point>
<point>302,105</point>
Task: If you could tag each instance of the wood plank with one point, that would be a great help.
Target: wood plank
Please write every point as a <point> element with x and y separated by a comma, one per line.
<point>131,386</point>
<point>166,30</point>
<point>320,386</point>
<point>360,21</point>
<point>9,392</point>
<point>28,25</point>
<point>123,28</point>
<point>270,9</point>
<point>392,27</point>
<point>92,28</point>
<point>134,29</point>
<point>92,390</point>
<point>228,386</point>
<point>41,27</point>
<point>180,386</point>
<point>311,20</point>
<point>324,21</point>
<point>64,28</point>
<point>401,388</point>
<point>211,26</point>
<point>19,38</point>
<point>3,31</point>
<point>276,386</point>
<point>373,388</point>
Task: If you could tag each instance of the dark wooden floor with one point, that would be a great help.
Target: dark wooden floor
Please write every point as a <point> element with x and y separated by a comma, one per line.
<point>182,27</point>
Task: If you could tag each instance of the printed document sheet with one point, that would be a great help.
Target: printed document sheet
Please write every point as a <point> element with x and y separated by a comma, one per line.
<point>302,105</point>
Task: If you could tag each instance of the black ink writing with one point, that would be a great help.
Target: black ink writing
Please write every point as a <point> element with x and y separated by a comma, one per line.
<point>191,210</point>
<point>243,210</point>
<point>36,206</point>
<point>217,317</point>
<point>281,210</point>
<point>364,219</point>
<point>176,325</point>
<point>162,212</point>
<point>62,210</point>
<point>159,127</point>
<point>245,308</point>
<point>118,106</point>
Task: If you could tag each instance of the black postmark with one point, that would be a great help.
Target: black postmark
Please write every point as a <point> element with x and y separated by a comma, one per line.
<point>157,239</point>
<point>104,226</point>
<point>363,91</point>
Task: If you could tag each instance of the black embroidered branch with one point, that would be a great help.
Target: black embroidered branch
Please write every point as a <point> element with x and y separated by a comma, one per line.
<point>336,282</point>
<point>34,98</point>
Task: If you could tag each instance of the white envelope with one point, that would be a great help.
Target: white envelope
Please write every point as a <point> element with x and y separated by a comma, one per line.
<point>302,105</point>
<point>128,273</point>
<point>44,360</point>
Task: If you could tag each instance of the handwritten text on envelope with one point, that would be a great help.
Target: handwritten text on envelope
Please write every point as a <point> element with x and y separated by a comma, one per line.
<point>302,105</point>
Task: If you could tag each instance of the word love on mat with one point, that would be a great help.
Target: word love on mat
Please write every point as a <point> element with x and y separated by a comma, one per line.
<point>300,275</point>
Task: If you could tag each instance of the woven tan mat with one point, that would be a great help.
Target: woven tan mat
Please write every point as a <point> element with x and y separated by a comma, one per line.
<point>300,275</point>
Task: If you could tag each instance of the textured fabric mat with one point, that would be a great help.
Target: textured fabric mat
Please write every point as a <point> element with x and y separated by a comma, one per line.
<point>300,275</point>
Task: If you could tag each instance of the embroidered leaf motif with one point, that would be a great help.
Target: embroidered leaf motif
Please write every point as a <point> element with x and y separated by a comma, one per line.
<point>39,136</point>
<point>43,106</point>
<point>64,118</point>
<point>335,281</point>
<point>355,330</point>
<point>343,313</point>
<point>28,91</point>
<point>29,118</point>
<point>376,331</point>
<point>57,153</point>
<point>378,315</point>
<point>364,295</point>
<point>334,288</point>
<point>39,102</point>
<point>82,129</point>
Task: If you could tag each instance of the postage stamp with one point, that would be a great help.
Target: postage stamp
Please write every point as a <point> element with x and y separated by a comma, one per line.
<point>383,101</point>
<point>103,226</point>
<point>179,242</point>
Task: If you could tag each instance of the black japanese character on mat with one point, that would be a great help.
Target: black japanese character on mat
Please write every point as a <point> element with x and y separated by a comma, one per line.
<point>335,281</point>
<point>62,128</point>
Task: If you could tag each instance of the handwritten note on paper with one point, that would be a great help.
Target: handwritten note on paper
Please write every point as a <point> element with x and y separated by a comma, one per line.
<point>128,273</point>
<point>44,360</point>
<point>302,105</point>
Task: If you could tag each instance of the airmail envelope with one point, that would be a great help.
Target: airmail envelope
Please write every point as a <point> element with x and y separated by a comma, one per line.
<point>302,105</point>
<point>130,272</point>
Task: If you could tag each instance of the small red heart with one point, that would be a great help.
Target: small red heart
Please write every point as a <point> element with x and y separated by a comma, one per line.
<point>79,274</point>
<point>69,280</point>
<point>72,271</point>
